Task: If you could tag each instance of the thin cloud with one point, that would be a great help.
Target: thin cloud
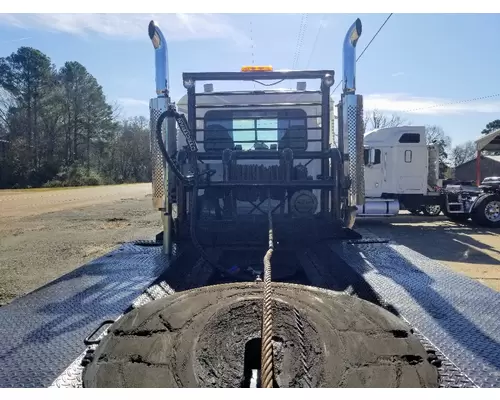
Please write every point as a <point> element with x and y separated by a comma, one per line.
<point>390,103</point>
<point>176,27</point>
<point>16,40</point>
<point>325,22</point>
<point>398,74</point>
<point>128,101</point>
<point>402,103</point>
<point>129,107</point>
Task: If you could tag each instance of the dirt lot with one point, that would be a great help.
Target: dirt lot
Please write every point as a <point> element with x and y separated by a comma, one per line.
<point>47,233</point>
<point>465,248</point>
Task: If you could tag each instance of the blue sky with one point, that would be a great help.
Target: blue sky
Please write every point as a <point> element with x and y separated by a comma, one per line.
<point>417,60</point>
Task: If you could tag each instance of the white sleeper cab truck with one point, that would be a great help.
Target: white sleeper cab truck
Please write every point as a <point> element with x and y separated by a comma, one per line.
<point>401,172</point>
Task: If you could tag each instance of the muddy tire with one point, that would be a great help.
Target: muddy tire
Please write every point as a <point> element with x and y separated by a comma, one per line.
<point>486,211</point>
<point>431,210</point>
<point>207,338</point>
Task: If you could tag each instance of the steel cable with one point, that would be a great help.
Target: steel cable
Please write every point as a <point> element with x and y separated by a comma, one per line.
<point>267,316</point>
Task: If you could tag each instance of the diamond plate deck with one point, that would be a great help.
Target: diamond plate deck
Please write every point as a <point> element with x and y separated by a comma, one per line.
<point>72,376</point>
<point>457,314</point>
<point>450,375</point>
<point>42,333</point>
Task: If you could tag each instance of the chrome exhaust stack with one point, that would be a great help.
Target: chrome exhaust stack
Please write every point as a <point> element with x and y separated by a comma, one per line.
<point>351,129</point>
<point>162,180</point>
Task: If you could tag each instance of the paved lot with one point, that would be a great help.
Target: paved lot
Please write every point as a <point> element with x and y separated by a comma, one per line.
<point>465,248</point>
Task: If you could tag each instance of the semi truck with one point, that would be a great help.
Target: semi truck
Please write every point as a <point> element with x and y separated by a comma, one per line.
<point>479,202</point>
<point>401,172</point>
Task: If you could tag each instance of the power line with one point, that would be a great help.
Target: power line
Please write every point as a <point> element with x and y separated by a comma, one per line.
<point>300,39</point>
<point>320,27</point>
<point>336,87</point>
<point>453,103</point>
<point>374,36</point>
<point>420,108</point>
<point>368,45</point>
<point>252,43</point>
<point>252,46</point>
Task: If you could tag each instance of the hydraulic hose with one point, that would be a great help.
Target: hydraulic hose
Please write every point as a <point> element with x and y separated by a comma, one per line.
<point>192,231</point>
<point>194,181</point>
<point>171,162</point>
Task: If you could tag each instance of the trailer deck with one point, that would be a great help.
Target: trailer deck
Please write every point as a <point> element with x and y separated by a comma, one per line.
<point>454,316</point>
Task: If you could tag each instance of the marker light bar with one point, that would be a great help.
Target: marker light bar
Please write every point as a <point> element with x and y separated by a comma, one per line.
<point>253,68</point>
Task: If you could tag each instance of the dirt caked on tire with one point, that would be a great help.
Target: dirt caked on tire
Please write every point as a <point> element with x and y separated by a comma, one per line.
<point>486,211</point>
<point>206,338</point>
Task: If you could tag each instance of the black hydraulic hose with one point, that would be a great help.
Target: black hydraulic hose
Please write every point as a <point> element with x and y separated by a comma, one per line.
<point>175,168</point>
<point>192,229</point>
<point>171,163</point>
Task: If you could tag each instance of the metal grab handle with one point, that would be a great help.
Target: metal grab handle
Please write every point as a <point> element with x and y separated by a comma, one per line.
<point>385,167</point>
<point>89,342</point>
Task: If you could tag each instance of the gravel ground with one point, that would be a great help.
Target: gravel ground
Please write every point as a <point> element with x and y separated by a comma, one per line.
<point>47,233</point>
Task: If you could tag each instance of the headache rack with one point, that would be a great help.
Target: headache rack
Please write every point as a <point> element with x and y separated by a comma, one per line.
<point>326,78</point>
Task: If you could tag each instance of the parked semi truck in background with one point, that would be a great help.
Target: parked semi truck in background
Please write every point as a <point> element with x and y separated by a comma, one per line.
<point>401,172</point>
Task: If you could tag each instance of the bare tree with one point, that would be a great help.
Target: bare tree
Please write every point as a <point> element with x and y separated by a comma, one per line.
<point>7,102</point>
<point>462,153</point>
<point>435,135</point>
<point>117,110</point>
<point>376,119</point>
